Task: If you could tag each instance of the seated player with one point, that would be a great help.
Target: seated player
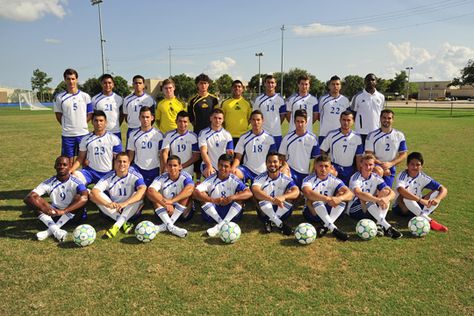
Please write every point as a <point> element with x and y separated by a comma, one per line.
<point>372,195</point>
<point>119,195</point>
<point>410,185</point>
<point>170,194</point>
<point>326,198</point>
<point>67,195</point>
<point>222,194</point>
<point>273,190</point>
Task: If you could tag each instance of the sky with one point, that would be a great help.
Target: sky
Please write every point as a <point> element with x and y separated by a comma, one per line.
<point>344,37</point>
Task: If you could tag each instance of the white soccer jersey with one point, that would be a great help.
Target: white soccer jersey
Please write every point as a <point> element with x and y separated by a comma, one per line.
<point>111,105</point>
<point>368,108</point>
<point>217,143</point>
<point>100,150</point>
<point>74,109</point>
<point>299,150</point>
<point>342,148</point>
<point>385,146</point>
<point>182,145</point>
<point>330,109</point>
<point>276,187</point>
<point>299,102</point>
<point>60,193</point>
<point>120,189</point>
<point>132,105</point>
<point>271,108</point>
<point>147,146</point>
<point>415,185</point>
<point>169,188</point>
<point>370,185</point>
<point>328,186</point>
<point>217,188</point>
<point>254,149</point>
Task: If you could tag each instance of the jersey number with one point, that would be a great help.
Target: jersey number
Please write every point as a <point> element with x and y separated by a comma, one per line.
<point>181,148</point>
<point>99,151</point>
<point>257,148</point>
<point>335,110</point>
<point>147,144</point>
<point>345,147</point>
<point>270,107</point>
<point>387,147</point>
<point>62,195</point>
<point>74,106</point>
<point>122,191</point>
<point>108,107</point>
<point>223,195</point>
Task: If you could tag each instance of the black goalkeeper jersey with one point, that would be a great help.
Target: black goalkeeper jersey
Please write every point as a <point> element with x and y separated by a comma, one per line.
<point>200,109</point>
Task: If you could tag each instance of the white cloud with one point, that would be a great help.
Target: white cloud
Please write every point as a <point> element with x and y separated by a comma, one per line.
<point>321,29</point>
<point>31,10</point>
<point>216,68</point>
<point>52,41</point>
<point>404,52</point>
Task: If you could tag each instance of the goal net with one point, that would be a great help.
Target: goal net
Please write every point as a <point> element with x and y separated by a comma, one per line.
<point>29,101</point>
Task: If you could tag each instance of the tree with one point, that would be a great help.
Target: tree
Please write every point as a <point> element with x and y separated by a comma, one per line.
<point>121,86</point>
<point>59,88</point>
<point>92,86</point>
<point>351,85</point>
<point>185,87</point>
<point>39,83</point>
<point>399,83</point>
<point>290,82</point>
<point>252,86</point>
<point>224,84</point>
<point>467,75</point>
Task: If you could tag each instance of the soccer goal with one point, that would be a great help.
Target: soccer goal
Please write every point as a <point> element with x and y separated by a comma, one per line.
<point>29,101</point>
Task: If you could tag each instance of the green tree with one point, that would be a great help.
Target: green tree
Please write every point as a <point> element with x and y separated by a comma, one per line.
<point>399,83</point>
<point>39,83</point>
<point>467,75</point>
<point>224,84</point>
<point>383,84</point>
<point>351,85</point>
<point>91,86</point>
<point>253,83</point>
<point>59,88</point>
<point>185,87</point>
<point>121,86</point>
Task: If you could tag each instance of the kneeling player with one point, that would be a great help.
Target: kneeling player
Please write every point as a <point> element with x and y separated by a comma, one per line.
<point>67,195</point>
<point>326,197</point>
<point>410,185</point>
<point>221,194</point>
<point>170,194</point>
<point>125,190</point>
<point>272,189</point>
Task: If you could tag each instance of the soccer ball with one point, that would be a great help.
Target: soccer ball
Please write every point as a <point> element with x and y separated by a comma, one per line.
<point>305,233</point>
<point>84,235</point>
<point>419,226</point>
<point>145,231</point>
<point>366,229</point>
<point>230,232</point>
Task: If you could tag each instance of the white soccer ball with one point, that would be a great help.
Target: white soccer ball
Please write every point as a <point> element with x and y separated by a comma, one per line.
<point>419,226</point>
<point>145,231</point>
<point>84,235</point>
<point>305,233</point>
<point>230,232</point>
<point>366,229</point>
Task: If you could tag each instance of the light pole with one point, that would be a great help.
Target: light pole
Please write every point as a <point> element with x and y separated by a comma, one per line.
<point>431,86</point>
<point>281,69</point>
<point>408,83</point>
<point>259,55</point>
<point>98,2</point>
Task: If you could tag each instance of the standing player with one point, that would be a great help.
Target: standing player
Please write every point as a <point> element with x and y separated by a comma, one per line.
<point>302,100</point>
<point>67,195</point>
<point>73,110</point>
<point>213,142</point>
<point>343,145</point>
<point>222,194</point>
<point>170,194</point>
<point>272,105</point>
<point>388,146</point>
<point>273,190</point>
<point>410,185</point>
<point>111,103</point>
<point>252,149</point>
<point>119,195</point>
<point>181,142</point>
<point>144,147</point>
<point>330,107</point>
<point>168,108</point>
<point>299,147</point>
<point>372,195</point>
<point>326,197</point>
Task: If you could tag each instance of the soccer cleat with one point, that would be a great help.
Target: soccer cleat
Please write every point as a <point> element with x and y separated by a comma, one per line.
<point>321,231</point>
<point>127,227</point>
<point>112,232</point>
<point>286,230</point>
<point>267,227</point>
<point>380,230</point>
<point>434,225</point>
<point>339,234</point>
<point>60,235</point>
<point>43,234</point>
<point>393,233</point>
<point>161,228</point>
<point>214,231</point>
<point>180,232</point>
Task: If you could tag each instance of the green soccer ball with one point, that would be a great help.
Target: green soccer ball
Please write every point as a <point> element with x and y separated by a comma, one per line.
<point>145,231</point>
<point>230,233</point>
<point>305,233</point>
<point>366,229</point>
<point>419,226</point>
<point>84,235</point>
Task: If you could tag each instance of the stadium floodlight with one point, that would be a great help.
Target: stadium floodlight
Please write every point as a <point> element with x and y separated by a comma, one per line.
<point>259,55</point>
<point>408,83</point>
<point>98,2</point>
<point>431,86</point>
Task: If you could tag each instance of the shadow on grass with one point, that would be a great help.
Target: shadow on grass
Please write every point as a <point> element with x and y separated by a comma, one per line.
<point>68,245</point>
<point>14,195</point>
<point>291,242</point>
<point>130,240</point>
<point>216,241</point>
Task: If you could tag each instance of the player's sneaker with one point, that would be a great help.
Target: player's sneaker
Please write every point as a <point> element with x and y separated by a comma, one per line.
<point>112,232</point>
<point>161,228</point>
<point>393,233</point>
<point>214,231</point>
<point>60,235</point>
<point>380,230</point>
<point>267,226</point>
<point>180,232</point>
<point>285,229</point>
<point>43,234</point>
<point>339,234</point>
<point>321,231</point>
<point>434,225</point>
<point>127,227</point>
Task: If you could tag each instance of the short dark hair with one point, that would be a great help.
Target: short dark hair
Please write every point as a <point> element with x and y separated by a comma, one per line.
<point>145,109</point>
<point>106,76</point>
<point>121,154</point>
<point>268,77</point>
<point>322,158</point>
<point>346,113</point>
<point>138,77</point>
<point>226,157</point>
<point>168,81</point>
<point>202,77</point>
<point>182,114</point>
<point>272,153</point>
<point>70,71</point>
<point>334,78</point>
<point>384,111</point>
<point>237,82</point>
<point>415,155</point>
<point>98,113</point>
<point>301,113</point>
<point>370,75</point>
<point>256,112</point>
<point>217,110</point>
<point>302,77</point>
<point>174,157</point>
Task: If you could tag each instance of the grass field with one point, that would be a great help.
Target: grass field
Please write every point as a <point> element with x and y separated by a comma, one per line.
<point>260,274</point>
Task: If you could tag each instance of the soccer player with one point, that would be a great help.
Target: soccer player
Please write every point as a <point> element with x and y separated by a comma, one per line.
<point>272,105</point>
<point>236,112</point>
<point>222,194</point>
<point>388,145</point>
<point>119,195</point>
<point>170,194</point>
<point>111,103</point>
<point>326,198</point>
<point>96,151</point>
<point>330,107</point>
<point>168,108</point>
<point>67,195</point>
<point>274,192</point>
<point>372,195</point>
<point>73,110</point>
<point>213,142</point>
<point>367,104</point>
<point>343,145</point>
<point>410,185</point>
<point>298,147</point>
<point>252,149</point>
<point>181,142</point>
<point>302,100</point>
<point>144,147</point>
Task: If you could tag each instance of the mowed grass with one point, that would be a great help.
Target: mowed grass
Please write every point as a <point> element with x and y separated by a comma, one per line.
<point>260,274</point>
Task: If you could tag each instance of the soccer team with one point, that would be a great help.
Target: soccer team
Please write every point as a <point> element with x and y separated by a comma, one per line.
<point>239,150</point>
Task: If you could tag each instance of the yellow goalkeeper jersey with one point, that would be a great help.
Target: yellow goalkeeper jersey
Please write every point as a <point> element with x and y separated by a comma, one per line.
<point>166,112</point>
<point>236,115</point>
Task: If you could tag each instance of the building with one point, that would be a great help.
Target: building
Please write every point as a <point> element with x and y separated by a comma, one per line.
<point>432,90</point>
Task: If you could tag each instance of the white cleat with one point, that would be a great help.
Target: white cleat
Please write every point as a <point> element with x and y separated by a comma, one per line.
<point>180,232</point>
<point>161,228</point>
<point>43,234</point>
<point>61,235</point>
<point>214,231</point>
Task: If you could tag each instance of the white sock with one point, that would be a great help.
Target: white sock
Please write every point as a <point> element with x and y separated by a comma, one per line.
<point>178,210</point>
<point>163,215</point>
<point>322,212</point>
<point>49,222</point>
<point>234,210</point>
<point>415,208</point>
<point>64,219</point>
<point>109,212</point>
<point>428,210</point>
<point>283,210</point>
<point>267,209</point>
<point>379,214</point>
<point>337,211</point>
<point>210,210</point>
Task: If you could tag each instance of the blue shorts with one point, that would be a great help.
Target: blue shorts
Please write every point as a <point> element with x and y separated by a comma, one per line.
<point>248,174</point>
<point>148,175</point>
<point>222,210</point>
<point>70,145</point>
<point>265,218</point>
<point>357,213</point>
<point>344,173</point>
<point>91,175</point>
<point>298,177</point>
<point>278,140</point>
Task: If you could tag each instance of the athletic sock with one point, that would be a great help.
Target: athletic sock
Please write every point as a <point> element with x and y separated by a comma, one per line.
<point>283,210</point>
<point>109,212</point>
<point>322,212</point>
<point>178,210</point>
<point>210,210</point>
<point>234,210</point>
<point>337,211</point>
<point>267,209</point>
<point>163,215</point>
<point>49,222</point>
<point>64,219</point>
<point>416,209</point>
<point>378,214</point>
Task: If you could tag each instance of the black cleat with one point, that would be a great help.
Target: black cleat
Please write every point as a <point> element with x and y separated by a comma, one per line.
<point>267,227</point>
<point>286,230</point>
<point>339,234</point>
<point>393,233</point>
<point>321,231</point>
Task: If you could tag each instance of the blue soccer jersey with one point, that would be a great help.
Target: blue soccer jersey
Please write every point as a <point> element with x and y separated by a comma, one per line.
<point>100,150</point>
<point>60,193</point>
<point>120,189</point>
<point>272,107</point>
<point>182,145</point>
<point>169,188</point>
<point>254,149</point>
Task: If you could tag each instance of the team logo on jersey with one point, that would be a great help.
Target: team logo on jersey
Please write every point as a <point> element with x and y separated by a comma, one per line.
<point>204,106</point>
